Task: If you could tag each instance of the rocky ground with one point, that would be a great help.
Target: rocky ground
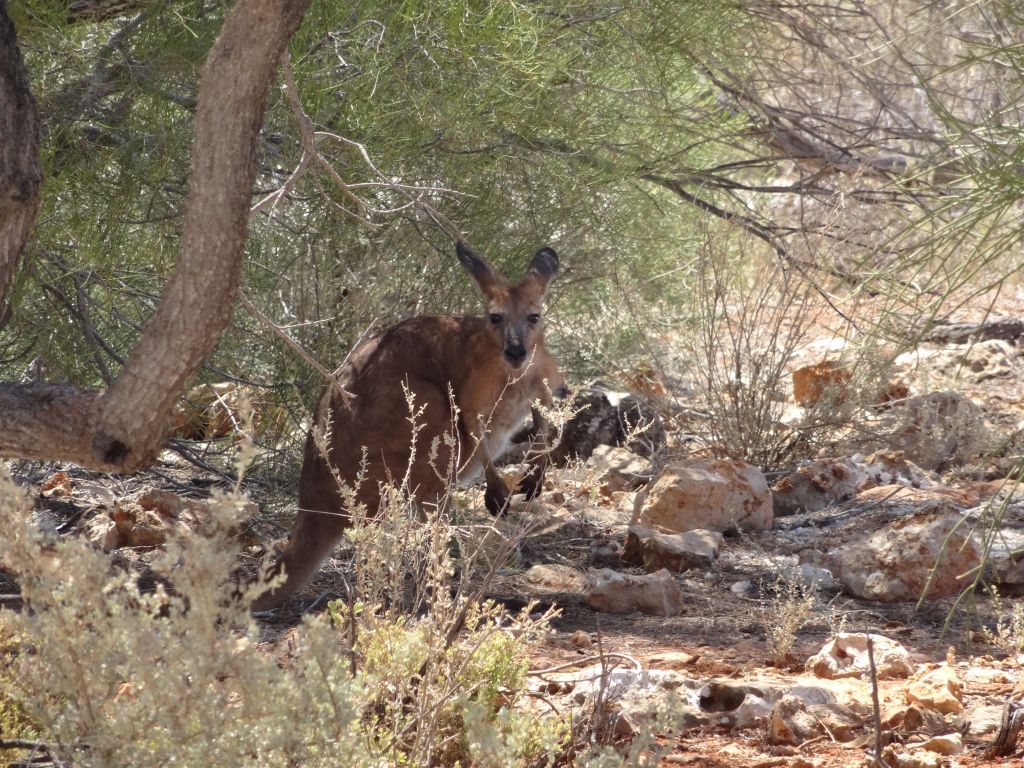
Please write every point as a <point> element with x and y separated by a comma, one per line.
<point>740,605</point>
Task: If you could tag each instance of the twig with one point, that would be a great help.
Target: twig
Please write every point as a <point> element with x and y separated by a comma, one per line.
<point>38,747</point>
<point>179,448</point>
<point>587,659</point>
<point>310,138</point>
<point>309,152</point>
<point>601,688</point>
<point>545,699</point>
<point>876,709</point>
<point>331,378</point>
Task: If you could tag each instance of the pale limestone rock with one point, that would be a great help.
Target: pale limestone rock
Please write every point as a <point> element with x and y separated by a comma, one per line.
<point>839,722</point>
<point>938,689</point>
<point>901,758</point>
<point>813,576</point>
<point>985,720</point>
<point>896,562</point>
<point>794,721</point>
<point>827,481</point>
<point>710,494</point>
<point>752,710</point>
<point>948,744</point>
<point>974,363</point>
<point>790,722</point>
<point>892,468</point>
<point>656,594</point>
<point>912,719</point>
<point>846,655</point>
<point>820,484</point>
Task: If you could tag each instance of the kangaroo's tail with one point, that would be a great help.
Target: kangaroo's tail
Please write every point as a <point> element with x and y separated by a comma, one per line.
<point>312,540</point>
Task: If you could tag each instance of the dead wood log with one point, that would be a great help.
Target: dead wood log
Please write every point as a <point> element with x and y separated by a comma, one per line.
<point>948,332</point>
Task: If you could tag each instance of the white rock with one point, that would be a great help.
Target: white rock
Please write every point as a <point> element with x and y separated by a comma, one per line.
<point>813,576</point>
<point>896,562</point>
<point>790,722</point>
<point>938,689</point>
<point>825,482</point>
<point>918,758</point>
<point>948,744</point>
<point>985,719</point>
<point>817,485</point>
<point>752,710</point>
<point>846,655</point>
<point>974,363</point>
<point>937,430</point>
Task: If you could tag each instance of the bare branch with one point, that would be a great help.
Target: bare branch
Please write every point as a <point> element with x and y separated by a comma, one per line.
<point>329,377</point>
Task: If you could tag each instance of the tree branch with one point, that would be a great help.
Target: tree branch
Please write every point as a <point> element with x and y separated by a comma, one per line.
<point>198,300</point>
<point>123,428</point>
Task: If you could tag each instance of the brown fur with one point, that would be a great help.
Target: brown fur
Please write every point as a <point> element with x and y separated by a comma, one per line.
<point>495,370</point>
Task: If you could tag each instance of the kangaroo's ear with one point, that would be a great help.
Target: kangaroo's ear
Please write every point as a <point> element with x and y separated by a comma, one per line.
<point>543,267</point>
<point>491,284</point>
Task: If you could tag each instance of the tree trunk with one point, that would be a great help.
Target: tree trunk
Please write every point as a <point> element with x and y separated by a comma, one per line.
<point>124,428</point>
<point>20,173</point>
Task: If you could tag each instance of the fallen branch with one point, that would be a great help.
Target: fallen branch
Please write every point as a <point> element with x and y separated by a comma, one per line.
<point>947,332</point>
<point>1005,741</point>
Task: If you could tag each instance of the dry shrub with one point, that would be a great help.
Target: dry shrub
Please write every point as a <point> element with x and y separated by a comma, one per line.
<point>755,321</point>
<point>115,676</point>
<point>792,607</point>
<point>1008,633</point>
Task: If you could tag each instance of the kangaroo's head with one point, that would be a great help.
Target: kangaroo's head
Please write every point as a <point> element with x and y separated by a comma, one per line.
<point>513,311</point>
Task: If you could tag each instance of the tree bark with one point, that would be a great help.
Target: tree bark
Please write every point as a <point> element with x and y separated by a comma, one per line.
<point>123,428</point>
<point>20,172</point>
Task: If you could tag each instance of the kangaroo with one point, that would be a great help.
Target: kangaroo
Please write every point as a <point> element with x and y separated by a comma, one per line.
<point>492,368</point>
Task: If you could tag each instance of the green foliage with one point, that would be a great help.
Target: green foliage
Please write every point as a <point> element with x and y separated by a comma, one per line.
<point>523,124</point>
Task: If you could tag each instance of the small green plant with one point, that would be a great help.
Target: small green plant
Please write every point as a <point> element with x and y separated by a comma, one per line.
<point>1008,633</point>
<point>788,612</point>
<point>15,722</point>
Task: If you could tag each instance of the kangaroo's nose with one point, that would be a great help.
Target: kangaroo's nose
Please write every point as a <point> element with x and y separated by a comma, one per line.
<point>515,354</point>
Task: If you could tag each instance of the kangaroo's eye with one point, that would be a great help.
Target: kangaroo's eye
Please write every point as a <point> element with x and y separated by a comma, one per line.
<point>495,318</point>
<point>533,319</point>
